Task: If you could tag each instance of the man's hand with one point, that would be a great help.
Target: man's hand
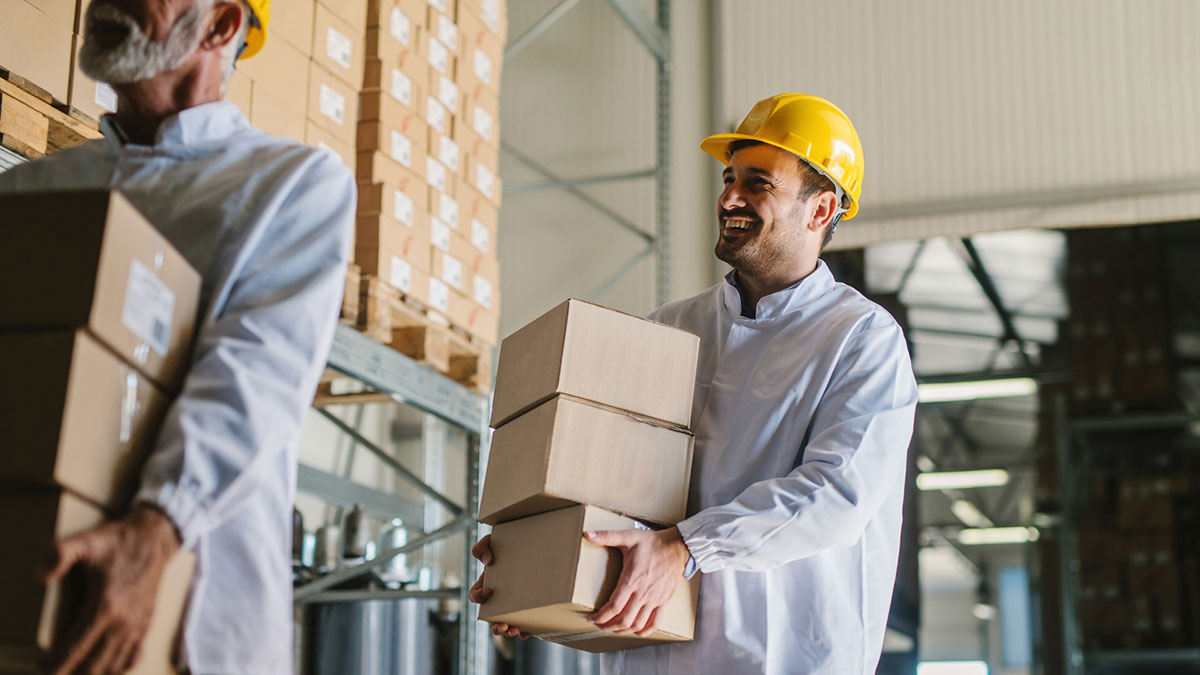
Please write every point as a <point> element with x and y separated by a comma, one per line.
<point>482,550</point>
<point>652,563</point>
<point>122,562</point>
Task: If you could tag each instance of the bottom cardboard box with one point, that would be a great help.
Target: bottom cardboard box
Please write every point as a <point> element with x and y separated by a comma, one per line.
<point>546,580</point>
<point>35,614</point>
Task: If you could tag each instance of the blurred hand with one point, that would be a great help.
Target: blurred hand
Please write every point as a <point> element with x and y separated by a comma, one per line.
<point>651,564</point>
<point>122,563</point>
<point>479,594</point>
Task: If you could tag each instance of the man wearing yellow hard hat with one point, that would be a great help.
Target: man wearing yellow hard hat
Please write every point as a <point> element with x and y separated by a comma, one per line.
<point>267,222</point>
<point>803,413</point>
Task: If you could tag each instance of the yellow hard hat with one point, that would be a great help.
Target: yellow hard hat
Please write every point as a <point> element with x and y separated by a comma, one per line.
<point>256,37</point>
<point>809,127</point>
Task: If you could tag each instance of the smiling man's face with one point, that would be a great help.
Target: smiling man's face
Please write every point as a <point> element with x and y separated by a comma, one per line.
<point>133,40</point>
<point>763,212</point>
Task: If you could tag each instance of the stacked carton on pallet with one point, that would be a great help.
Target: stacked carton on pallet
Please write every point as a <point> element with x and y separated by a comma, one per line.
<point>96,368</point>
<point>592,410</point>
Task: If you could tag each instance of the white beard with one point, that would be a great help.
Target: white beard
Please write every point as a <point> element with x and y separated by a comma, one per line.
<point>138,58</point>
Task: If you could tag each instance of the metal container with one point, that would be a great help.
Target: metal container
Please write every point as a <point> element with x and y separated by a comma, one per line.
<point>373,637</point>
<point>395,572</point>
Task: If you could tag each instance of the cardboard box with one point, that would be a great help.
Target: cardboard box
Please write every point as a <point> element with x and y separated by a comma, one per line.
<point>318,137</point>
<point>282,70</point>
<point>400,17</point>
<point>438,117</point>
<point>36,44</point>
<point>480,113</point>
<point>96,99</point>
<point>394,81</point>
<point>447,7</point>
<point>353,12</point>
<point>381,231</point>
<point>446,151</point>
<point>445,90</point>
<point>403,140</point>
<point>483,324</point>
<point>567,452</point>
<point>82,418</point>
<point>332,104</point>
<point>437,176</point>
<point>338,46</point>
<point>441,58</point>
<point>119,277</point>
<point>273,116</point>
<point>493,13</point>
<point>387,187</point>
<point>445,208</point>
<point>452,305</point>
<point>600,355</point>
<point>400,268</point>
<point>480,53</point>
<point>408,57</point>
<point>547,578</point>
<point>35,614</point>
<point>241,92</point>
<point>486,294</point>
<point>484,181</point>
<point>292,20</point>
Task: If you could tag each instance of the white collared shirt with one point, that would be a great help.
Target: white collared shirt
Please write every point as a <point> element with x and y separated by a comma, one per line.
<point>267,222</point>
<point>803,417</point>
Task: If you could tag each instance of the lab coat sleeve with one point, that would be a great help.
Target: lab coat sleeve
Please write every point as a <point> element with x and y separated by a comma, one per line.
<point>855,459</point>
<point>256,364</point>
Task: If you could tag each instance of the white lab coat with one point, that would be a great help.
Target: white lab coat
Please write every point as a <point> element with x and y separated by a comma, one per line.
<point>267,222</point>
<point>803,417</point>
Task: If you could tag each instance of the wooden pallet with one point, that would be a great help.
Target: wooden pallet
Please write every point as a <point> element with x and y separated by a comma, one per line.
<point>32,123</point>
<point>390,316</point>
<point>350,297</point>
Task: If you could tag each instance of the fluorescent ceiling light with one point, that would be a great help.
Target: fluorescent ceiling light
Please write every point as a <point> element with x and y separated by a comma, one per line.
<point>984,611</point>
<point>959,480</point>
<point>952,668</point>
<point>969,514</point>
<point>997,535</point>
<point>938,392</point>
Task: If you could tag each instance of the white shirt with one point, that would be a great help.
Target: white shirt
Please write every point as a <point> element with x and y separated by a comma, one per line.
<point>803,417</point>
<point>267,222</point>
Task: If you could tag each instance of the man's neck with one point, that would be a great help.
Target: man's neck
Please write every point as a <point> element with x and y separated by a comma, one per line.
<point>142,106</point>
<point>756,287</point>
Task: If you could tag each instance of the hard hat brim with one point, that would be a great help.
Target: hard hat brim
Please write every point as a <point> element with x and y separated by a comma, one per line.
<point>717,145</point>
<point>255,39</point>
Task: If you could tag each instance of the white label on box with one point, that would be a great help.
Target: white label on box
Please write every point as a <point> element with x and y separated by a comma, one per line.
<point>439,295</point>
<point>402,88</point>
<point>448,210</point>
<point>483,291</point>
<point>448,92</point>
<point>402,207</point>
<point>435,114</point>
<point>439,234</point>
<point>439,56</point>
<point>483,123</point>
<point>452,271</point>
<point>401,148</point>
<point>435,174</point>
<point>401,276</point>
<point>333,105</point>
<point>149,306</point>
<point>106,97</point>
<point>483,66</point>
<point>448,153</point>
<point>339,47</point>
<point>401,27</point>
<point>447,32</point>
<point>440,5</point>
<point>480,236</point>
<point>485,180</point>
<point>491,14</point>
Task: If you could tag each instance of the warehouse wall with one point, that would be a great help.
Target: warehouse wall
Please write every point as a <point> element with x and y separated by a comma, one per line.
<point>979,116</point>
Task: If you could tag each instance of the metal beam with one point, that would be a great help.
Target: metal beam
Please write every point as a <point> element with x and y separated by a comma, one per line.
<point>391,462</point>
<point>662,147</point>
<point>1040,375</point>
<point>975,264</point>
<point>586,180</point>
<point>575,192</point>
<point>620,274</point>
<point>653,37</point>
<point>329,597</point>
<point>345,494</point>
<point>538,28</point>
<point>307,591</point>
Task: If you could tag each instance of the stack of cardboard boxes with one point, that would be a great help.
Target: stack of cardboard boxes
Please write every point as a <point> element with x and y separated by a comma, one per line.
<point>88,379</point>
<point>592,412</point>
<point>428,154</point>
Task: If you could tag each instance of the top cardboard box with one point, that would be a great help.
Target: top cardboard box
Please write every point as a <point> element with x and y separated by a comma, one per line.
<point>88,258</point>
<point>599,355</point>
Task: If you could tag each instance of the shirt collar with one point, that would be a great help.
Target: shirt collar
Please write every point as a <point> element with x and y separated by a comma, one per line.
<point>781,302</point>
<point>191,126</point>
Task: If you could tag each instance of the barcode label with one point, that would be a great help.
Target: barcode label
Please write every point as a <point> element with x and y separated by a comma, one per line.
<point>106,97</point>
<point>402,207</point>
<point>447,32</point>
<point>435,114</point>
<point>448,153</point>
<point>435,174</point>
<point>401,276</point>
<point>485,180</point>
<point>439,234</point>
<point>339,47</point>
<point>333,105</point>
<point>452,271</point>
<point>447,92</point>
<point>448,210</point>
<point>483,66</point>
<point>439,296</point>
<point>401,26</point>
<point>440,5</point>
<point>480,236</point>
<point>482,123</point>
<point>401,148</point>
<point>439,56</point>
<point>402,88</point>
<point>483,292</point>
<point>149,306</point>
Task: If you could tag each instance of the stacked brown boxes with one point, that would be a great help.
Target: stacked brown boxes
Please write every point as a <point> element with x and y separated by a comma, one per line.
<point>592,411</point>
<point>91,359</point>
<point>425,227</point>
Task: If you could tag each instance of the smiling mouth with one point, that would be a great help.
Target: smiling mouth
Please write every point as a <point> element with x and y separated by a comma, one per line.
<point>736,225</point>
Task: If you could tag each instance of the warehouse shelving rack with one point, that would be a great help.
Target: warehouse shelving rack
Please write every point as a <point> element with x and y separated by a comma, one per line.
<point>1073,457</point>
<point>393,376</point>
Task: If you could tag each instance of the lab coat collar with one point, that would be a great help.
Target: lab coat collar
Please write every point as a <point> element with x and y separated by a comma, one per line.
<point>191,126</point>
<point>782,302</point>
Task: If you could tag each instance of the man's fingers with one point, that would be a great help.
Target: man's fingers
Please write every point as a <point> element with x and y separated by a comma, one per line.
<point>616,604</point>
<point>479,593</point>
<point>499,629</point>
<point>613,538</point>
<point>651,625</point>
<point>108,650</point>
<point>128,658</point>
<point>482,550</point>
<point>63,556</point>
<point>623,622</point>
<point>642,618</point>
<point>79,649</point>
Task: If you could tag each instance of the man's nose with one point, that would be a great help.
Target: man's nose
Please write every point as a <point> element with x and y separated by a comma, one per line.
<point>732,198</point>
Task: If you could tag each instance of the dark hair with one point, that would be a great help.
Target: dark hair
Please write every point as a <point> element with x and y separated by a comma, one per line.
<point>811,182</point>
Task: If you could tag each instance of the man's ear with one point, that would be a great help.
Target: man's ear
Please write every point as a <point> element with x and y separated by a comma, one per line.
<point>824,211</point>
<point>225,24</point>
